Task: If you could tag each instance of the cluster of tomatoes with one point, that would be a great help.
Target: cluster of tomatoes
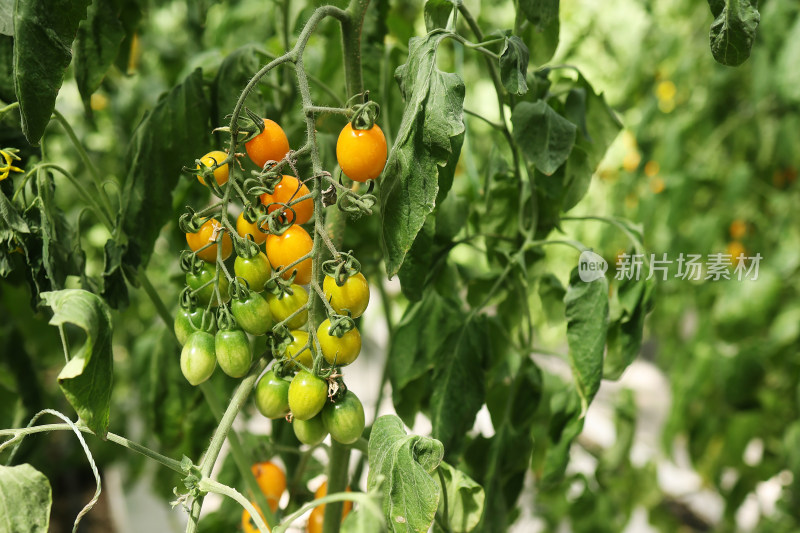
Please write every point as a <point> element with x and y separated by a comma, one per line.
<point>266,294</point>
<point>272,482</point>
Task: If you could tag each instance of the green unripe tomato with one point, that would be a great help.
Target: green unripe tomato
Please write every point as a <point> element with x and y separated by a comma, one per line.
<point>187,322</point>
<point>272,396</point>
<point>252,314</point>
<point>283,307</point>
<point>255,270</point>
<point>341,351</point>
<point>344,419</point>
<point>307,395</point>
<point>233,352</point>
<point>198,359</point>
<point>205,274</point>
<point>352,297</point>
<point>310,432</point>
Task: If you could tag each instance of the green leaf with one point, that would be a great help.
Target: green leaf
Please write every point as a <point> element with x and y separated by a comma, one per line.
<point>170,136</point>
<point>234,72</point>
<point>7,18</point>
<point>459,383</point>
<point>25,500</point>
<point>130,13</point>
<point>365,520</point>
<point>97,46</point>
<point>565,423</point>
<point>514,65</point>
<point>733,30</point>
<point>7,93</point>
<point>546,138</point>
<point>500,463</point>
<point>429,136</point>
<point>541,13</point>
<point>438,12</point>
<point>586,310</point>
<point>86,379</point>
<point>420,336</point>
<point>44,31</point>
<point>630,304</point>
<point>464,499</point>
<point>401,465</point>
<point>115,290</point>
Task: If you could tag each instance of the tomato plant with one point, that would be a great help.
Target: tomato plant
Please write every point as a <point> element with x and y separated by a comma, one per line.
<point>544,200</point>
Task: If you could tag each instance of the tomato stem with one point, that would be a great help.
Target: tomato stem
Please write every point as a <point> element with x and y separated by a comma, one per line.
<point>338,461</point>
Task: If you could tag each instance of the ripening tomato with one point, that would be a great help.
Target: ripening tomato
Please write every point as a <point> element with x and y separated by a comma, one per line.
<point>254,270</point>
<point>339,351</point>
<point>198,359</point>
<point>307,395</point>
<point>344,419</point>
<point>272,396</point>
<point>248,525</point>
<point>297,350</point>
<point>352,297</point>
<point>284,305</point>
<point>209,233</point>
<point>269,145</point>
<point>271,480</point>
<point>252,314</point>
<point>286,191</point>
<point>212,159</point>
<point>244,228</point>
<point>311,431</point>
<point>285,249</point>
<point>361,153</point>
<point>233,352</point>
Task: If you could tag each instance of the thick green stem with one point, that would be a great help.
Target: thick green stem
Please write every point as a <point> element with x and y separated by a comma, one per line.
<point>338,461</point>
<point>239,456</point>
<point>210,456</point>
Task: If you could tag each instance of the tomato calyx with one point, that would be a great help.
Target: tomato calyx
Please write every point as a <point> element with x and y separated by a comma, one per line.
<point>251,125</point>
<point>340,324</point>
<point>365,115</point>
<point>342,268</point>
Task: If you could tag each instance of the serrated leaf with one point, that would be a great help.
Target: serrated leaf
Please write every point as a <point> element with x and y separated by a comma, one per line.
<point>429,134</point>
<point>459,383</point>
<point>733,30</point>
<point>97,45</point>
<point>401,466</point>
<point>44,31</point>
<point>170,136</point>
<point>541,13</point>
<point>86,379</point>
<point>586,310</point>
<point>438,13</point>
<point>514,65</point>
<point>546,138</point>
<point>234,72</point>
<point>464,499</point>
<point>25,498</point>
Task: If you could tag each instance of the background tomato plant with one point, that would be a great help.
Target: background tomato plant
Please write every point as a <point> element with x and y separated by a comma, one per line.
<point>484,343</point>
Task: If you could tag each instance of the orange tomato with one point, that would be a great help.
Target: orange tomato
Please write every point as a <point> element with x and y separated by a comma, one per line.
<point>317,516</point>
<point>243,228</point>
<point>271,480</point>
<point>247,524</point>
<point>209,232</point>
<point>285,249</point>
<point>361,153</point>
<point>269,145</point>
<point>286,191</point>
